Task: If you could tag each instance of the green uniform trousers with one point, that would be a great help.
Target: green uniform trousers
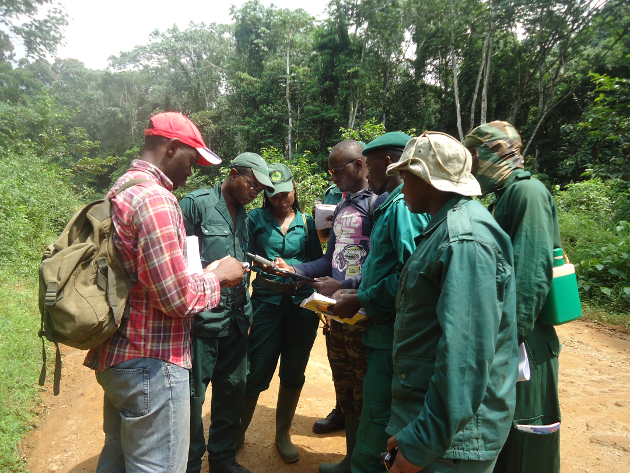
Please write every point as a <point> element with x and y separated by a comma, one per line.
<point>537,403</point>
<point>377,402</point>
<point>348,363</point>
<point>446,465</point>
<point>222,361</point>
<point>284,331</point>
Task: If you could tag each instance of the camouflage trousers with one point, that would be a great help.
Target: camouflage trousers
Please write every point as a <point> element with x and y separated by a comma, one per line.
<point>348,361</point>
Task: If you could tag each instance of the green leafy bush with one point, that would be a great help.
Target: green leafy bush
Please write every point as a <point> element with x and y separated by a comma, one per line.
<point>603,276</point>
<point>35,205</point>
<point>596,242</point>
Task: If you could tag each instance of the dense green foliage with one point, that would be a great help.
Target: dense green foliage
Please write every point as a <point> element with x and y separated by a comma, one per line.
<point>276,78</point>
<point>35,205</point>
<point>597,239</point>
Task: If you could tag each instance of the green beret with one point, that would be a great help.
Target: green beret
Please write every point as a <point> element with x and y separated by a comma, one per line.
<point>391,140</point>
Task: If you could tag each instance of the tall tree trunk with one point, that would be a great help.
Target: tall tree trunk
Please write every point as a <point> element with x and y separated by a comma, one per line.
<point>288,97</point>
<point>455,84</point>
<point>482,66</point>
<point>486,79</point>
<point>355,104</point>
<point>545,106</point>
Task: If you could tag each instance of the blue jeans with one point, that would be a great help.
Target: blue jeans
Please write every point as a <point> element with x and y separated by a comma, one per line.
<point>146,417</point>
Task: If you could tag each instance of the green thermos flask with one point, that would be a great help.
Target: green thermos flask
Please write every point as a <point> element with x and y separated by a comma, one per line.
<point>563,301</point>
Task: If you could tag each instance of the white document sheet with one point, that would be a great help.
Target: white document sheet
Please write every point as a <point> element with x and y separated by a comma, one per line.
<point>523,364</point>
<point>193,257</point>
<point>321,212</point>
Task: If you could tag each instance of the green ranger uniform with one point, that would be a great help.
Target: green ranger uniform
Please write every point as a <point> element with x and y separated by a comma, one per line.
<point>281,328</point>
<point>220,331</point>
<point>455,352</point>
<point>525,209</point>
<point>392,242</point>
<point>333,195</point>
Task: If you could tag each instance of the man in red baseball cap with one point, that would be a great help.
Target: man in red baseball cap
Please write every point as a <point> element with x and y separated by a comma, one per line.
<point>143,368</point>
<point>177,125</point>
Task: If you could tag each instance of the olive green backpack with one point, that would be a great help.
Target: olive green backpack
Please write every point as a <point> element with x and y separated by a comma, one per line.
<point>83,287</point>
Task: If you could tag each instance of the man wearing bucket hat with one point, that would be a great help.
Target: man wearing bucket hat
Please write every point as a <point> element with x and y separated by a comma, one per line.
<point>282,329</point>
<point>455,354</point>
<point>148,358</point>
<point>219,343</point>
<point>391,244</point>
<point>525,209</point>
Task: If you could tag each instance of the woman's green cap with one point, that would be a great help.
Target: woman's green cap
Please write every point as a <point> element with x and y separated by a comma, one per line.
<point>391,140</point>
<point>281,177</point>
<point>258,166</point>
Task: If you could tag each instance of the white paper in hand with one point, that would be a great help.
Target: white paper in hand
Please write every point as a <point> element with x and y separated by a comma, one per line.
<point>321,212</point>
<point>193,257</point>
<point>523,364</point>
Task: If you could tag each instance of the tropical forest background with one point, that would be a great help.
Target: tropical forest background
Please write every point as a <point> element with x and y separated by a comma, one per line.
<point>280,83</point>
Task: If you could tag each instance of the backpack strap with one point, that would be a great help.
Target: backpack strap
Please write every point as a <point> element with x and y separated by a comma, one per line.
<point>42,374</point>
<point>308,249</point>
<point>128,184</point>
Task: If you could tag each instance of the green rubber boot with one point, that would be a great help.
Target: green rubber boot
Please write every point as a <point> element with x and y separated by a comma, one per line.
<point>285,410</point>
<point>352,426</point>
<point>246,417</point>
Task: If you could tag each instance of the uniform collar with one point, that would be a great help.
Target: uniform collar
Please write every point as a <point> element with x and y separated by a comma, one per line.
<point>297,220</point>
<point>153,171</point>
<point>391,198</point>
<point>221,207</point>
<point>516,174</point>
<point>439,217</point>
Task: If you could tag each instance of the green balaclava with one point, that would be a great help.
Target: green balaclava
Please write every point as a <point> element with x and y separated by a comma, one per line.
<point>499,152</point>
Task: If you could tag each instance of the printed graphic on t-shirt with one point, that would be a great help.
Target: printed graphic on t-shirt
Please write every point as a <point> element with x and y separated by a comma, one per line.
<point>352,246</point>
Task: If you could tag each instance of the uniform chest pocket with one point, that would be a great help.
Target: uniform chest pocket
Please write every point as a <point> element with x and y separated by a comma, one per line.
<point>414,372</point>
<point>214,242</point>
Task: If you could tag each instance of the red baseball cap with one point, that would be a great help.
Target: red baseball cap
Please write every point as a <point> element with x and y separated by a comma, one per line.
<point>176,125</point>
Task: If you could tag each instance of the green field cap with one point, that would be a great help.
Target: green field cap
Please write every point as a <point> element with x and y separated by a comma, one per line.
<point>258,166</point>
<point>391,140</point>
<point>281,177</point>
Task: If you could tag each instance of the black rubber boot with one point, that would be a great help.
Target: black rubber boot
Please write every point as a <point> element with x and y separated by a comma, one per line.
<point>334,421</point>
<point>285,410</point>
<point>352,426</point>
<point>246,417</point>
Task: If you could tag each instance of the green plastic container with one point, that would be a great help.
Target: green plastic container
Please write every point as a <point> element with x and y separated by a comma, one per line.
<point>563,301</point>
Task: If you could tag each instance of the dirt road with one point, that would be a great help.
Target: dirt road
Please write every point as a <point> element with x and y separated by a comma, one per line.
<point>595,397</point>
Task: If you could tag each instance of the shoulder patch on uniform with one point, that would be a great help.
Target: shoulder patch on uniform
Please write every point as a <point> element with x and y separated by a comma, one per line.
<point>198,193</point>
<point>458,222</point>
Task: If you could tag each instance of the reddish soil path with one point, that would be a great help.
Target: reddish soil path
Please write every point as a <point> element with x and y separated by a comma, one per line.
<point>595,396</point>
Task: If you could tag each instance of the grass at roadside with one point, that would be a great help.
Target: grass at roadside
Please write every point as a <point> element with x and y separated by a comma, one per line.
<point>20,361</point>
<point>605,316</point>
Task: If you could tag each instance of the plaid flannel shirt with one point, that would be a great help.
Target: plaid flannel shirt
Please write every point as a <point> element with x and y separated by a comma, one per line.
<point>151,242</point>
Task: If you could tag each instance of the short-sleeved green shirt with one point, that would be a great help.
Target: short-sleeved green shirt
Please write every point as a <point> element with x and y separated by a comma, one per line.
<point>206,216</point>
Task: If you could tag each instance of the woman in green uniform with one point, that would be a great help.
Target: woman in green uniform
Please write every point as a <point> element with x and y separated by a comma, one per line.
<point>281,329</point>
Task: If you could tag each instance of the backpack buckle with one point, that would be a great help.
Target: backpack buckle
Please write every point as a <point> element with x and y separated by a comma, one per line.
<point>51,293</point>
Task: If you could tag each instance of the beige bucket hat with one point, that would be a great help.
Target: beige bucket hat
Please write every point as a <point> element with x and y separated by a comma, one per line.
<point>440,160</point>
